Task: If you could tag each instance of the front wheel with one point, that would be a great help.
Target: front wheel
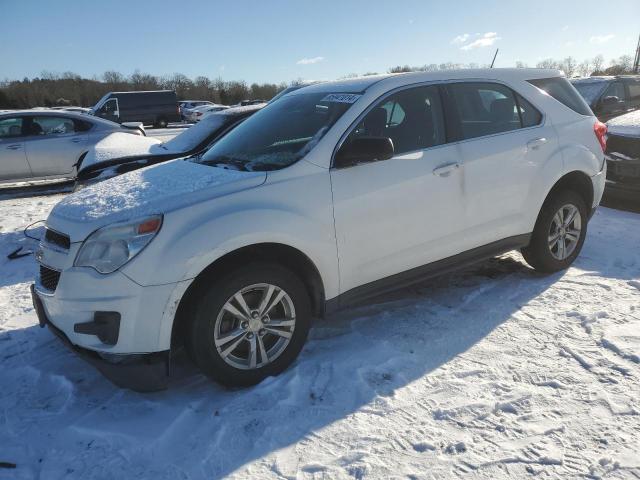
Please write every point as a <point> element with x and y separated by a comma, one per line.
<point>559,233</point>
<point>161,123</point>
<point>249,325</point>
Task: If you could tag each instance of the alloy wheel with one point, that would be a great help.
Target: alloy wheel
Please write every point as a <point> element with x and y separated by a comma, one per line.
<point>564,232</point>
<point>254,326</point>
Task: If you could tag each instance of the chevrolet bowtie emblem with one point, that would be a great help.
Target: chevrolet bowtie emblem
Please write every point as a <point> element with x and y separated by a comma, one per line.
<point>39,255</point>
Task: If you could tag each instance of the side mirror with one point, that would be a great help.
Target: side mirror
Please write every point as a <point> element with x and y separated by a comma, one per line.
<point>363,150</point>
<point>610,100</point>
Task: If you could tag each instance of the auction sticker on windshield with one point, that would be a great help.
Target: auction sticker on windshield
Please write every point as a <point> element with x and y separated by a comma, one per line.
<point>341,98</point>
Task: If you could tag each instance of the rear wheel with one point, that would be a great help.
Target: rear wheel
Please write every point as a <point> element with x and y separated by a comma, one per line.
<point>559,233</point>
<point>161,123</point>
<point>250,324</point>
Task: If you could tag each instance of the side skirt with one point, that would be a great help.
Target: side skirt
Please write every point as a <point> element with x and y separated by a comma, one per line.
<point>401,280</point>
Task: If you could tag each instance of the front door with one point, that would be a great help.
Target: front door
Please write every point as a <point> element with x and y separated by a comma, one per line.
<point>13,160</point>
<point>53,145</point>
<point>405,212</point>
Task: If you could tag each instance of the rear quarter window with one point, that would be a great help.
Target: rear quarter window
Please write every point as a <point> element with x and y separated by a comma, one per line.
<point>560,89</point>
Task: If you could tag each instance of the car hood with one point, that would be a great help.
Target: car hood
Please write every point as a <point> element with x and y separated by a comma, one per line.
<point>157,189</point>
<point>627,125</point>
<point>121,144</point>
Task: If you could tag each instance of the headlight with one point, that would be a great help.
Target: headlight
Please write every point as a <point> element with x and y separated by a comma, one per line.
<point>109,248</point>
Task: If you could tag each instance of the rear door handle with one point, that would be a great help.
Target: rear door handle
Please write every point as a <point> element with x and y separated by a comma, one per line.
<point>15,146</point>
<point>536,143</point>
<point>445,170</point>
<point>76,140</point>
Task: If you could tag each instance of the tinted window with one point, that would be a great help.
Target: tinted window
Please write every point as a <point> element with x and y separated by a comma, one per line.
<point>412,119</point>
<point>616,89</point>
<point>634,90</point>
<point>51,126</point>
<point>10,127</point>
<point>560,89</point>
<point>484,108</point>
<point>590,89</point>
<point>529,114</point>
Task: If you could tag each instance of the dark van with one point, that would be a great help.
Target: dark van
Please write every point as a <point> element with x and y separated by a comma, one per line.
<point>156,108</point>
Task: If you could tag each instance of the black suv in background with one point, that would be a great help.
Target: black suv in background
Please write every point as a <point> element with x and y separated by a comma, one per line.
<point>610,96</point>
<point>156,108</point>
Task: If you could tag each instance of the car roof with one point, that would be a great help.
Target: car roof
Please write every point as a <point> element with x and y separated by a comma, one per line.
<point>361,84</point>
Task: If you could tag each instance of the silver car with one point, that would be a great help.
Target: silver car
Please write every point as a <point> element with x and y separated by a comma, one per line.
<point>49,144</point>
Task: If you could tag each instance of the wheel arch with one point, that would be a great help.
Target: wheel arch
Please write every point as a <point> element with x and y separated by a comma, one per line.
<point>279,253</point>
<point>577,181</point>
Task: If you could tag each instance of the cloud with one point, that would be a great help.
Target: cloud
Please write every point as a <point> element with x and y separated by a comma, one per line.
<point>565,28</point>
<point>601,38</point>
<point>460,39</point>
<point>309,61</point>
<point>485,40</point>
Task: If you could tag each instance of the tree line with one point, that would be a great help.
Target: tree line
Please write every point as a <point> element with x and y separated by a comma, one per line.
<point>569,65</point>
<point>51,89</point>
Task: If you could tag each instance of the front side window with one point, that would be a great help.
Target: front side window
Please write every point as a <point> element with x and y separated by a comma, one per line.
<point>51,126</point>
<point>11,127</point>
<point>281,133</point>
<point>411,118</point>
<point>484,109</point>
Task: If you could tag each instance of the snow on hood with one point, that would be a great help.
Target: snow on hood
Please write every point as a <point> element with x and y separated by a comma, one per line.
<point>627,124</point>
<point>120,144</point>
<point>156,189</point>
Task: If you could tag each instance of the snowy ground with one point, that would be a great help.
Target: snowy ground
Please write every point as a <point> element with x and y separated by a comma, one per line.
<point>491,373</point>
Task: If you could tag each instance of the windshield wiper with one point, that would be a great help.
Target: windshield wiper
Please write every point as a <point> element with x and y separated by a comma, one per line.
<point>224,160</point>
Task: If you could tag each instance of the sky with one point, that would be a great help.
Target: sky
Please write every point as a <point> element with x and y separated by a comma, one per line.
<point>278,40</point>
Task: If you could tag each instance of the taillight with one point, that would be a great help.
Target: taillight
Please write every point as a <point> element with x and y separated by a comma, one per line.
<point>600,129</point>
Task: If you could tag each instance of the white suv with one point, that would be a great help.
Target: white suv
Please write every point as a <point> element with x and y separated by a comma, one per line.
<point>332,194</point>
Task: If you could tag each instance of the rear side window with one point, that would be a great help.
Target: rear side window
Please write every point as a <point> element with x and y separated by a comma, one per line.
<point>560,89</point>
<point>529,115</point>
<point>51,126</point>
<point>484,109</point>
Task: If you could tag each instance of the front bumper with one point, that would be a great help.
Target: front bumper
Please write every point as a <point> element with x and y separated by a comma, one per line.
<point>141,373</point>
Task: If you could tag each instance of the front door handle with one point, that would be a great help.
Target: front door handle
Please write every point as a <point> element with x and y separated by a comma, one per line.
<point>15,146</point>
<point>536,143</point>
<point>76,140</point>
<point>445,170</point>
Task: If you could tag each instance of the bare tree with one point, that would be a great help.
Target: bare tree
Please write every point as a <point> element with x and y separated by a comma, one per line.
<point>584,69</point>
<point>597,62</point>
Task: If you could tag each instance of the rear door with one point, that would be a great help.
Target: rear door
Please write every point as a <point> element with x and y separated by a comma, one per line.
<point>505,143</point>
<point>53,145</point>
<point>13,160</point>
<point>405,212</point>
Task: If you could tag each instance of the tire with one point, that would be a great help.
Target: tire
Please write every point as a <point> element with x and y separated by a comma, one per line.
<point>214,329</point>
<point>161,123</point>
<point>544,253</point>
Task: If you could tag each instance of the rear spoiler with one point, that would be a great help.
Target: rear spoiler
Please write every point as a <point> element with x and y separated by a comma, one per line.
<point>135,126</point>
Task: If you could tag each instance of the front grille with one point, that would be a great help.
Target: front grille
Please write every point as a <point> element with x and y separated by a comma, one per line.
<point>628,146</point>
<point>59,239</point>
<point>49,278</point>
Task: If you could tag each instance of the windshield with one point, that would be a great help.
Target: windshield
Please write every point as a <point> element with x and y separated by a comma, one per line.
<point>281,133</point>
<point>589,90</point>
<point>99,103</point>
<point>198,133</point>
